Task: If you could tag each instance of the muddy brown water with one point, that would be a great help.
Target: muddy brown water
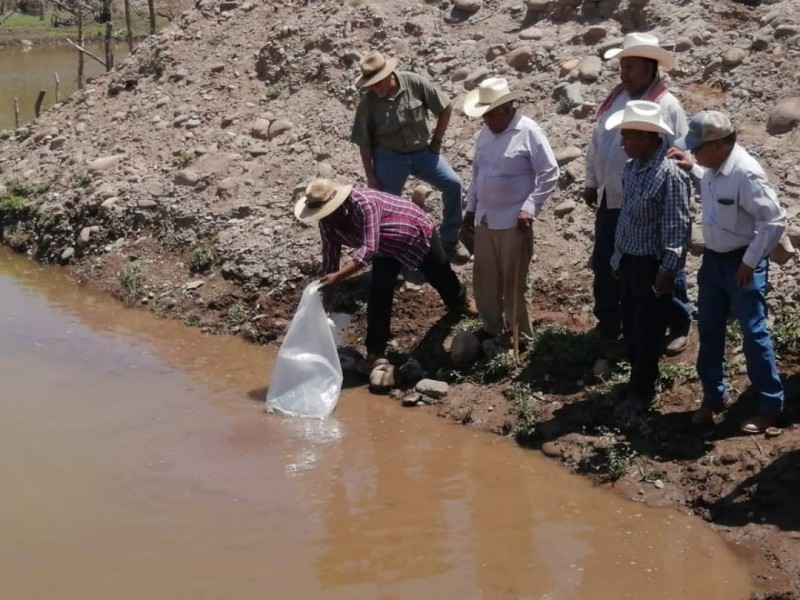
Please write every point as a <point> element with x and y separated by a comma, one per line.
<point>137,462</point>
<point>23,72</point>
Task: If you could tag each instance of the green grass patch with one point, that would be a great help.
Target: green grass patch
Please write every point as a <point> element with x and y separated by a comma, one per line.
<point>131,281</point>
<point>29,27</point>
<point>14,206</point>
<point>672,374</point>
<point>25,189</point>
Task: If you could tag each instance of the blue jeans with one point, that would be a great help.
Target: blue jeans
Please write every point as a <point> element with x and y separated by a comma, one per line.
<point>606,288</point>
<point>718,294</point>
<point>393,168</point>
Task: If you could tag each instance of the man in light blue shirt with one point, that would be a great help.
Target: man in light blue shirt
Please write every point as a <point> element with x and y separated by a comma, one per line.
<point>513,173</point>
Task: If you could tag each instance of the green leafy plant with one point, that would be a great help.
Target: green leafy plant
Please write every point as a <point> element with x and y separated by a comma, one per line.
<point>271,92</point>
<point>202,260</point>
<point>14,206</point>
<point>786,334</point>
<point>611,457</point>
<point>237,313</point>
<point>131,280</point>
<point>25,189</point>
<point>671,374</point>
<point>469,324</point>
<point>156,66</point>
<point>564,105</point>
<point>82,180</point>
<point>526,411</point>
<point>501,365</point>
<point>184,157</point>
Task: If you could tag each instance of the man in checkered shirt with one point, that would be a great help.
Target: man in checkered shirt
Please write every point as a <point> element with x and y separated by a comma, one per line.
<point>651,241</point>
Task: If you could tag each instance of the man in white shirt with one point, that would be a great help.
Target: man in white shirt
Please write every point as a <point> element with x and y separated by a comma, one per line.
<point>640,59</point>
<point>742,223</point>
<point>513,173</point>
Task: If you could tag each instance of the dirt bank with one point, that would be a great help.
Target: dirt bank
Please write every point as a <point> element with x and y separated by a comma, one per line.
<point>168,182</point>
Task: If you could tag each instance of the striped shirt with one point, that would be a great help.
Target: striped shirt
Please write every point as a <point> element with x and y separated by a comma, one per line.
<point>376,224</point>
<point>654,219</point>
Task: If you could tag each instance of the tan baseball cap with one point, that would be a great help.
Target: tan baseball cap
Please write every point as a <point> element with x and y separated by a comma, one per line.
<point>705,126</point>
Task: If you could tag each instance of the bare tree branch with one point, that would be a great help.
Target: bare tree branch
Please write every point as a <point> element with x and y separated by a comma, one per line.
<point>87,53</point>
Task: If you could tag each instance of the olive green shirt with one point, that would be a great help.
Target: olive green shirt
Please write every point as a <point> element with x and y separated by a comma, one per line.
<point>399,122</point>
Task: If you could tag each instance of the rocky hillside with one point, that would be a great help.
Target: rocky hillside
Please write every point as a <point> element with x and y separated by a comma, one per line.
<point>204,136</point>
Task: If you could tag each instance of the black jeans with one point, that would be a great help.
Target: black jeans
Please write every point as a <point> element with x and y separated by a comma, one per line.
<point>607,294</point>
<point>644,320</point>
<point>436,268</point>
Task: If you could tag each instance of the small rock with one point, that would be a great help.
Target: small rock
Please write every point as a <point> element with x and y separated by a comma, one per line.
<point>465,348</point>
<point>432,388</point>
<point>683,44</point>
<point>143,203</point>
<point>67,254</point>
<point>793,232</point>
<point>217,67</point>
<point>760,43</point>
<point>531,33</point>
<point>412,399</point>
<point>259,129</point>
<point>382,379</point>
<point>786,30</point>
<point>279,127</point>
<point>103,163</point>
<point>537,6</point>
<point>109,203</point>
<point>192,123</point>
<point>601,368</point>
<point>57,143</point>
<point>659,484</point>
<point>227,5</point>
<point>566,207</point>
<point>420,194</point>
<point>568,66</point>
<point>475,77</point>
<point>591,67</point>
<point>259,150</point>
<point>84,236</point>
<point>186,177</point>
<point>411,370</point>
<point>460,74</point>
<point>519,57</point>
<point>193,285</point>
<point>469,6</point>
<point>733,57</point>
<point>568,154</point>
<point>784,116</point>
<point>594,34</point>
<point>551,449</point>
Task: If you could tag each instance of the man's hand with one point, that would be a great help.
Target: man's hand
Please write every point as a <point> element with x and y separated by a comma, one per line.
<point>372,181</point>
<point>330,279</point>
<point>469,222</point>
<point>684,159</point>
<point>744,275</point>
<point>435,146</point>
<point>663,283</point>
<point>525,220</point>
<point>590,196</point>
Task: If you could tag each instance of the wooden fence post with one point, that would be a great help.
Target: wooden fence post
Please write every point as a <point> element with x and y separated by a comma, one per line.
<point>16,113</point>
<point>39,100</point>
<point>58,81</point>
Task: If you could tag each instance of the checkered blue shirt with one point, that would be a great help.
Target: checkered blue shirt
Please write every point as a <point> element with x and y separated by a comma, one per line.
<point>654,219</point>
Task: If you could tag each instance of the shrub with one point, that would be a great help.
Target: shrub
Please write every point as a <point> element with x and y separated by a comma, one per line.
<point>202,260</point>
<point>131,280</point>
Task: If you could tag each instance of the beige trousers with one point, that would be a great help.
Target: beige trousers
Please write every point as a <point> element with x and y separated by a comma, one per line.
<point>500,277</point>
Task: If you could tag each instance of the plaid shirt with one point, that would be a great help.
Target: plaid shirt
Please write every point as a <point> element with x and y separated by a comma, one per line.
<point>654,219</point>
<point>377,224</point>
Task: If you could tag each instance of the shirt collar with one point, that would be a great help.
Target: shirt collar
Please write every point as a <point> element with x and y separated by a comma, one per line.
<point>513,125</point>
<point>726,167</point>
<point>402,84</point>
<point>658,157</point>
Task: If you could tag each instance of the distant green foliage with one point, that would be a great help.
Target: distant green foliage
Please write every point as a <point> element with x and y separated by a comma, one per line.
<point>202,260</point>
<point>131,280</point>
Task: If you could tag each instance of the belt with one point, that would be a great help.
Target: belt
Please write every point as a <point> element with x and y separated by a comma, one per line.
<point>738,252</point>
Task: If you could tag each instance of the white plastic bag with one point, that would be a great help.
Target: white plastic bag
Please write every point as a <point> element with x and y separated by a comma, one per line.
<point>307,377</point>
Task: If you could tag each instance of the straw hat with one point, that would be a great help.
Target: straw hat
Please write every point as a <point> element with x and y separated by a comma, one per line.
<point>375,68</point>
<point>322,197</point>
<point>640,115</point>
<point>490,93</point>
<point>643,45</point>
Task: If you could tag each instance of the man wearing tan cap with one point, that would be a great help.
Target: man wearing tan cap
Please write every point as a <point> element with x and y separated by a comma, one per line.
<point>387,232</point>
<point>651,241</point>
<point>513,174</point>
<point>639,59</point>
<point>742,223</point>
<point>391,131</point>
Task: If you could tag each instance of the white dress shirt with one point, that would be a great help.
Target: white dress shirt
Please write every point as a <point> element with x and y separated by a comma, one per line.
<point>740,208</point>
<point>605,158</point>
<point>513,171</point>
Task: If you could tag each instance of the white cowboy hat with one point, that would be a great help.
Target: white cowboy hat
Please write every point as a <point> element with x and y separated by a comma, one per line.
<point>375,68</point>
<point>643,45</point>
<point>640,115</point>
<point>322,197</point>
<point>490,93</point>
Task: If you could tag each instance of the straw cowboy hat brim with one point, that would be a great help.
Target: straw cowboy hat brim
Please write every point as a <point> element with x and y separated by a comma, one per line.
<point>309,214</point>
<point>617,121</point>
<point>388,68</point>
<point>657,53</point>
<point>473,108</point>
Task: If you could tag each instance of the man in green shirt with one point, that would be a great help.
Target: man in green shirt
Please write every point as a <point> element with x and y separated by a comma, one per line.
<point>391,131</point>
